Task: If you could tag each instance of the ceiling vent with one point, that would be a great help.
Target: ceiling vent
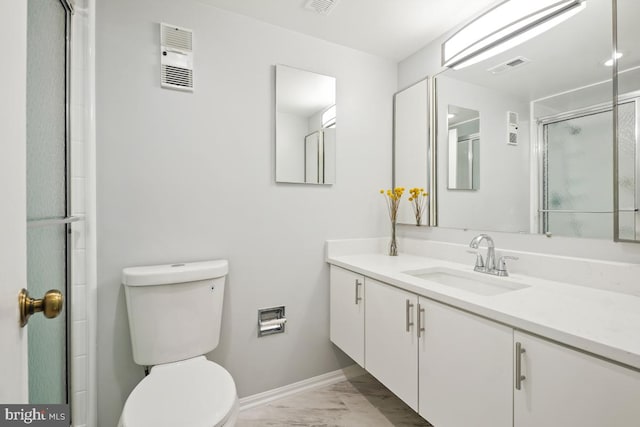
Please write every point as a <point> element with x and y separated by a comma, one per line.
<point>176,57</point>
<point>509,65</point>
<point>322,7</point>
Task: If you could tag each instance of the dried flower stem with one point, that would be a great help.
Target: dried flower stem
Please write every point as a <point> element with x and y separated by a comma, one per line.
<point>393,202</point>
<point>418,201</point>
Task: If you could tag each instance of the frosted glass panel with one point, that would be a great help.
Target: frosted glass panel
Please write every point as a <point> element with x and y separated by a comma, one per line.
<point>46,194</point>
<point>46,86</point>
<point>579,176</point>
<point>627,163</point>
<point>628,119</point>
<point>46,259</point>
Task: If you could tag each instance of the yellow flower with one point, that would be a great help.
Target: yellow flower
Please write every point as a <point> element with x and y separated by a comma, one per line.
<point>418,202</point>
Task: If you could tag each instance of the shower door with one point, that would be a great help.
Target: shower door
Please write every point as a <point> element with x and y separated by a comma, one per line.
<point>628,170</point>
<point>47,193</point>
<point>577,175</point>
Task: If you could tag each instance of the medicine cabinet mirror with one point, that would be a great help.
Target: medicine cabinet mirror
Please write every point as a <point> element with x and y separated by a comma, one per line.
<point>545,160</point>
<point>463,127</point>
<point>410,137</point>
<point>305,126</point>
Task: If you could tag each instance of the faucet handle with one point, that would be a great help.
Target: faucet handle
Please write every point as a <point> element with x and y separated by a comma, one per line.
<point>479,261</point>
<point>502,265</point>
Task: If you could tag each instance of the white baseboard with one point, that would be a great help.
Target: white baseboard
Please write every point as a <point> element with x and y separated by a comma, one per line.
<point>304,385</point>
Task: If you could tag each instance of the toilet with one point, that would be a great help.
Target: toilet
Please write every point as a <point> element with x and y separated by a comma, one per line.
<point>175,314</point>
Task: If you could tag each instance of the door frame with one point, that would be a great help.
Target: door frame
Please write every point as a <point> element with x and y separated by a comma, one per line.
<point>13,216</point>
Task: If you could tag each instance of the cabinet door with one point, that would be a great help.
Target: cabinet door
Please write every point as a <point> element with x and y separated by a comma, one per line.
<point>347,312</point>
<point>564,387</point>
<point>466,369</point>
<point>391,343</point>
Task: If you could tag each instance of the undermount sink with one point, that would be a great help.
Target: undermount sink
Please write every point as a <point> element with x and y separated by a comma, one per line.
<point>478,283</point>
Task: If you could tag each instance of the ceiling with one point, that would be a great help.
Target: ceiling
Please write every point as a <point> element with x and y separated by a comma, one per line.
<point>392,29</point>
<point>302,92</point>
<point>569,55</point>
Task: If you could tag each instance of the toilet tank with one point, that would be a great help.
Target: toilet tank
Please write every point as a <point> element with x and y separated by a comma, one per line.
<point>175,310</point>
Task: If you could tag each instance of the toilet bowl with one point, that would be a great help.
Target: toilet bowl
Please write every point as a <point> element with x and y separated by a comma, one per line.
<point>190,393</point>
<point>175,314</point>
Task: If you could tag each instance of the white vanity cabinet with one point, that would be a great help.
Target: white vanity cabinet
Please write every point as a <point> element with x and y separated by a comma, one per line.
<point>391,342</point>
<point>454,368</point>
<point>564,387</point>
<point>457,369</point>
<point>466,369</point>
<point>347,312</point>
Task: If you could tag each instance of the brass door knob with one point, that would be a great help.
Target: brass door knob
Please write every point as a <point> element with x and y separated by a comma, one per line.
<point>50,305</point>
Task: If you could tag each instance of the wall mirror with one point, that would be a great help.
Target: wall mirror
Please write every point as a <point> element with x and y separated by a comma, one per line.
<point>545,161</point>
<point>627,220</point>
<point>410,137</point>
<point>305,126</point>
<point>463,130</point>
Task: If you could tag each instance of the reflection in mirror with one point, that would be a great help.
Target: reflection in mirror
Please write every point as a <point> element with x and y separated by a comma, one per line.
<point>463,125</point>
<point>305,126</point>
<point>577,170</point>
<point>547,127</point>
<point>410,136</point>
<point>627,224</point>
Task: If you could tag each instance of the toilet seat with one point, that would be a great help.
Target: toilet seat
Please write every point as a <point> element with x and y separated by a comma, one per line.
<point>194,392</point>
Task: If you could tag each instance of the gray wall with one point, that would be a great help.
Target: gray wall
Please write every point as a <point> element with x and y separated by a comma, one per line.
<point>190,176</point>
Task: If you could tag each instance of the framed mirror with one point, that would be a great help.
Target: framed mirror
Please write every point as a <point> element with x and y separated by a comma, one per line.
<point>545,161</point>
<point>463,127</point>
<point>305,126</point>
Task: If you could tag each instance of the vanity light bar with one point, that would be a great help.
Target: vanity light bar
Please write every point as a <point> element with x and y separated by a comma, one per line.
<point>506,25</point>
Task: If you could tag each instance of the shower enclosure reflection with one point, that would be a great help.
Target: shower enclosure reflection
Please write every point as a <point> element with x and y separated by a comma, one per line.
<point>627,195</point>
<point>628,218</point>
<point>464,148</point>
<point>577,172</point>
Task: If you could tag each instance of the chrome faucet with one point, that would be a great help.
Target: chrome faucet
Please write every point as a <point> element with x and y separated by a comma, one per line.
<point>489,266</point>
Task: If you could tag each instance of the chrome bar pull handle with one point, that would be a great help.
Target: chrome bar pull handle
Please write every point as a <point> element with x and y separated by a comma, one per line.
<point>358,297</point>
<point>420,323</point>
<point>408,308</point>
<point>519,377</point>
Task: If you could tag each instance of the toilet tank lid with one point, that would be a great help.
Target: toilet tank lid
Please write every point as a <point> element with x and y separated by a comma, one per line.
<point>174,273</point>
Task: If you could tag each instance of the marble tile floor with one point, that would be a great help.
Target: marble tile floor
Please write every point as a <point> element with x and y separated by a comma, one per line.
<point>358,402</point>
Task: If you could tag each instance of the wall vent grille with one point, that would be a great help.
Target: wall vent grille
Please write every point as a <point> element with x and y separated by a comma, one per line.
<point>179,78</point>
<point>322,7</point>
<point>512,128</point>
<point>176,37</point>
<point>509,65</point>
<point>176,57</point>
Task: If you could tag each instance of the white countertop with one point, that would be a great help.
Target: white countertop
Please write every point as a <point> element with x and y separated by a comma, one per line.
<point>601,322</point>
